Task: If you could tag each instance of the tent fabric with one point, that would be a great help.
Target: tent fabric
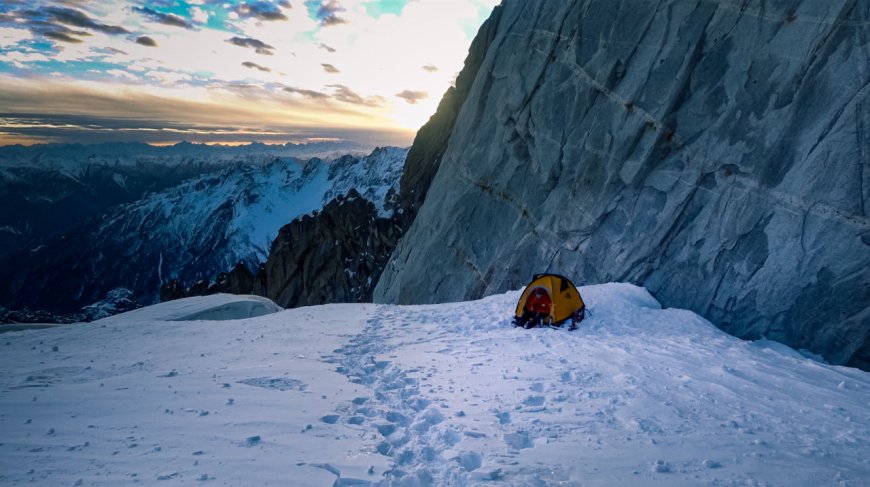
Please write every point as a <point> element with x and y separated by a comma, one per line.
<point>562,292</point>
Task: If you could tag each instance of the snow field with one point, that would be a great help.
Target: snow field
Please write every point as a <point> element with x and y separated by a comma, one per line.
<point>426,395</point>
<point>135,400</point>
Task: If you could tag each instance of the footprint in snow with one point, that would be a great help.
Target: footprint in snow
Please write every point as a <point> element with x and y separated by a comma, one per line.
<point>519,440</point>
<point>275,383</point>
<point>470,460</point>
<point>534,401</point>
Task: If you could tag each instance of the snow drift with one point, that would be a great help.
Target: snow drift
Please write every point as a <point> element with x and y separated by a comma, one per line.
<point>217,307</point>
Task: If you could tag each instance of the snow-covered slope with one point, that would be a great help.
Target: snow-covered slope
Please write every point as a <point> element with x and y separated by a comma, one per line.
<point>425,396</point>
<point>195,230</point>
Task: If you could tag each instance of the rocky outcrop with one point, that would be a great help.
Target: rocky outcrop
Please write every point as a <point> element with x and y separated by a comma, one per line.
<point>116,301</point>
<point>717,153</point>
<point>239,280</point>
<point>333,256</point>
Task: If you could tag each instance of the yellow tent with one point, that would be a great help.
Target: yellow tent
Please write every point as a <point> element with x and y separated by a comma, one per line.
<point>560,299</point>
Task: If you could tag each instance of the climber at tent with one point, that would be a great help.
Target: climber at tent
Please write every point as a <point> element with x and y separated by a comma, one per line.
<point>550,299</point>
<point>538,306</point>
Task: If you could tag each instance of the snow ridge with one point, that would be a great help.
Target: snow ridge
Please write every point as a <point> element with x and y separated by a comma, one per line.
<point>251,203</point>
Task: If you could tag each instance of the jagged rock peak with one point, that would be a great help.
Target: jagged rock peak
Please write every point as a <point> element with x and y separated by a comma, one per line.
<point>332,256</point>
<point>714,152</point>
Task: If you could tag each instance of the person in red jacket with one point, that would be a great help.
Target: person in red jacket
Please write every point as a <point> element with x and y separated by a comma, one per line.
<point>538,307</point>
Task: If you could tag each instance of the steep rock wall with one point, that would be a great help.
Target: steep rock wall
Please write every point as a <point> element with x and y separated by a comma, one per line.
<point>431,140</point>
<point>716,152</point>
<point>333,256</point>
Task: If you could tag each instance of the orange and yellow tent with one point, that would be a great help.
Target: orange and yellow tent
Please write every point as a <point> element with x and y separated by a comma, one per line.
<point>560,297</point>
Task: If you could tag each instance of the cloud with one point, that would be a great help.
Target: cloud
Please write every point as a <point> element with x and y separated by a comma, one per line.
<point>311,94</point>
<point>345,94</point>
<point>146,41</point>
<point>325,47</point>
<point>259,46</point>
<point>260,10</point>
<point>57,35</point>
<point>36,128</point>
<point>120,73</point>
<point>329,68</point>
<point>162,18</point>
<point>34,111</point>
<point>198,15</point>
<point>77,18</point>
<point>413,97</point>
<point>430,68</point>
<point>256,66</point>
<point>52,23</point>
<point>109,51</point>
<point>326,12</point>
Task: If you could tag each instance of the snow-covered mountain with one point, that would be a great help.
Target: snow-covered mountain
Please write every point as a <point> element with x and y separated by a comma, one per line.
<point>42,202</point>
<point>434,395</point>
<point>192,231</point>
<point>74,158</point>
<point>49,189</point>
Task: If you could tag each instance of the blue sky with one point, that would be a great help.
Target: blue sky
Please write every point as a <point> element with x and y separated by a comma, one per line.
<point>228,71</point>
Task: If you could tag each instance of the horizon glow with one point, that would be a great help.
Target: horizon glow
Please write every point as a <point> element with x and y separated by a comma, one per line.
<point>229,72</point>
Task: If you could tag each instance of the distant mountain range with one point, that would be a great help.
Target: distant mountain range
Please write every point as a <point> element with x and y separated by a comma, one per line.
<point>49,189</point>
<point>225,215</point>
<point>76,157</point>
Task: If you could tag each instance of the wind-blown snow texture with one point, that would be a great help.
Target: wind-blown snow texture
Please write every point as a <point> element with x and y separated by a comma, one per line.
<point>717,152</point>
<point>424,396</point>
<point>195,230</point>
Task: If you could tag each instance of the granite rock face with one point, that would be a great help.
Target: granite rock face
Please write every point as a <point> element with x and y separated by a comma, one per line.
<point>333,256</point>
<point>717,153</point>
<point>240,280</point>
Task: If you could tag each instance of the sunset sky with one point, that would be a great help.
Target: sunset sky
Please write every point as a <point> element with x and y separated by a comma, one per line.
<point>228,71</point>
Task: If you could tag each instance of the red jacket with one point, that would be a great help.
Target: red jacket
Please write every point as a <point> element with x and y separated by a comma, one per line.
<point>539,302</point>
